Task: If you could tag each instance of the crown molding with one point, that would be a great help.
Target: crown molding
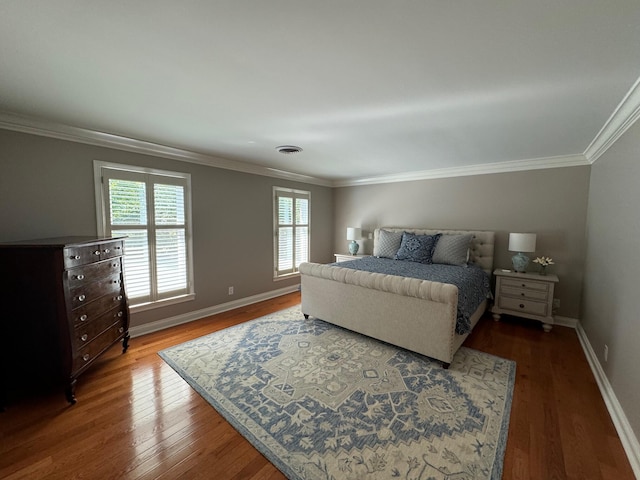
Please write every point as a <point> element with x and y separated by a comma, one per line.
<point>487,168</point>
<point>23,124</point>
<point>625,115</point>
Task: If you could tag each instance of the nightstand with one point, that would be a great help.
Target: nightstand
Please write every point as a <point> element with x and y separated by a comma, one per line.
<point>345,257</point>
<point>527,295</point>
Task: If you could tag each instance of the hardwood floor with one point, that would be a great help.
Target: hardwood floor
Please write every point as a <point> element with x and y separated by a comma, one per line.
<point>136,418</point>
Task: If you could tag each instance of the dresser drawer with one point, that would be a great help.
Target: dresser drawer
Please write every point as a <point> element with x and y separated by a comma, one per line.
<point>527,293</point>
<point>85,294</point>
<point>523,306</point>
<point>75,256</point>
<point>525,283</point>
<point>87,332</point>
<point>103,341</point>
<point>92,272</point>
<point>112,249</point>
<point>88,313</point>
<point>81,255</point>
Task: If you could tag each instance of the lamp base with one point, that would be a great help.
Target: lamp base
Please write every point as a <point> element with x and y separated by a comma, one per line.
<point>353,247</point>
<point>520,263</point>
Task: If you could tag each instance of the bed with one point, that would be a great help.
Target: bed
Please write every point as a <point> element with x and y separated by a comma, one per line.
<point>418,314</point>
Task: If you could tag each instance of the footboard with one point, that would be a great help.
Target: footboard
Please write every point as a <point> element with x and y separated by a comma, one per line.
<point>418,315</point>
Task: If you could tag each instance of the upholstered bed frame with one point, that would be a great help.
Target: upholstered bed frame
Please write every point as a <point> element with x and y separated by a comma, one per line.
<point>418,315</point>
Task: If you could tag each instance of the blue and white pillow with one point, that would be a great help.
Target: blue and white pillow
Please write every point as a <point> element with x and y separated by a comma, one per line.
<point>387,244</point>
<point>417,248</point>
<point>452,250</point>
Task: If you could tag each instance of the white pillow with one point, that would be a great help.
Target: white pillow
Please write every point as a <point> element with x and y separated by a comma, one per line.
<point>388,244</point>
<point>453,249</point>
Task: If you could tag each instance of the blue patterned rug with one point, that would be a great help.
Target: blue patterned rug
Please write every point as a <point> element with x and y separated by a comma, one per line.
<point>321,402</point>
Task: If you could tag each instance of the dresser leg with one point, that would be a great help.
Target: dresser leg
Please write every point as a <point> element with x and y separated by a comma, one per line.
<point>125,343</point>
<point>547,327</point>
<point>70,392</point>
<point>496,317</point>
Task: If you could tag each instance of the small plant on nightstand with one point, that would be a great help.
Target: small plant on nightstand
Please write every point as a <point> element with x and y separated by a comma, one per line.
<point>544,262</point>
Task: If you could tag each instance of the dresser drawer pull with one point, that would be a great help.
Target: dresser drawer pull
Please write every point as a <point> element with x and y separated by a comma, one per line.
<point>121,329</point>
<point>85,357</point>
<point>522,294</point>
<point>115,281</point>
<point>118,248</point>
<point>119,314</point>
<point>84,337</point>
<point>83,318</point>
<point>106,250</point>
<point>80,277</point>
<point>75,257</point>
<point>521,305</point>
<point>118,298</point>
<point>81,298</point>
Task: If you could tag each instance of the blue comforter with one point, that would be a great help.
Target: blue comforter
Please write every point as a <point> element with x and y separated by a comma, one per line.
<point>472,282</point>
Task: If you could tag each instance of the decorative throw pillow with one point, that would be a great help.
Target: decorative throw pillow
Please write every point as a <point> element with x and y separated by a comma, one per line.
<point>452,250</point>
<point>387,244</point>
<point>417,248</point>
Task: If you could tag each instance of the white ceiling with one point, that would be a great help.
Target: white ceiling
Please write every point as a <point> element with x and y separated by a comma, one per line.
<point>366,87</point>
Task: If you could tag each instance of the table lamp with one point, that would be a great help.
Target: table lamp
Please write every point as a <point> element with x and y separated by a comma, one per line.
<point>521,242</point>
<point>353,234</point>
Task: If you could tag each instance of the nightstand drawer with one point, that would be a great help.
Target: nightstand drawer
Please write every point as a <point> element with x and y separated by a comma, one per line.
<point>523,306</point>
<point>524,293</point>
<point>524,283</point>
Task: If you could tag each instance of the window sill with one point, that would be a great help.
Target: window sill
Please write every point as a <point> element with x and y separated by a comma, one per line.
<point>286,277</point>
<point>162,303</point>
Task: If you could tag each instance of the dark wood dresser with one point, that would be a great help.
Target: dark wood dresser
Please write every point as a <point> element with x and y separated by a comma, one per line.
<point>64,304</point>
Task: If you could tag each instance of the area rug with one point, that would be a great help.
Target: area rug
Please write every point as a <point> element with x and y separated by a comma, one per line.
<point>321,402</point>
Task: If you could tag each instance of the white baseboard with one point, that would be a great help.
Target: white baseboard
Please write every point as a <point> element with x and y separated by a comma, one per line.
<point>158,325</point>
<point>565,321</point>
<point>620,421</point>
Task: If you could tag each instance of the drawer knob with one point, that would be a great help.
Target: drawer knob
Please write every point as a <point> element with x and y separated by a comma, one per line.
<point>522,294</point>
<point>85,357</point>
<point>118,298</point>
<point>84,337</point>
<point>96,252</point>
<point>81,298</point>
<point>83,318</point>
<point>80,277</point>
<point>521,305</point>
<point>75,257</point>
<point>106,250</point>
<point>524,284</point>
<point>121,329</point>
<point>119,314</point>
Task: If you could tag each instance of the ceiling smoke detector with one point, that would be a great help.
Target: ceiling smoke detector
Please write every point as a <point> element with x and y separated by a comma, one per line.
<point>288,149</point>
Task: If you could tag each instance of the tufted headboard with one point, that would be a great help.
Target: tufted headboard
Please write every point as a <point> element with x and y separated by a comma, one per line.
<point>480,251</point>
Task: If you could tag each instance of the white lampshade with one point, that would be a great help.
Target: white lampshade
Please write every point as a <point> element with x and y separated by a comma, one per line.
<point>522,242</point>
<point>354,233</point>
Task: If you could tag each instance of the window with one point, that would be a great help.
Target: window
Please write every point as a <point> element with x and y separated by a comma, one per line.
<point>291,230</point>
<point>152,209</point>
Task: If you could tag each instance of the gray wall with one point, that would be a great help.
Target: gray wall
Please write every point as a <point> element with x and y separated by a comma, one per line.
<point>610,313</point>
<point>46,190</point>
<point>550,203</point>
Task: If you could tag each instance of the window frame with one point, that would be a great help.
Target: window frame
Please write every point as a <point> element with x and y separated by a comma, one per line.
<point>149,176</point>
<point>295,194</point>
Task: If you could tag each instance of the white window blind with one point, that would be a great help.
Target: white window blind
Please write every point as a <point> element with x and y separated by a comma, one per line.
<point>291,219</point>
<point>151,208</point>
